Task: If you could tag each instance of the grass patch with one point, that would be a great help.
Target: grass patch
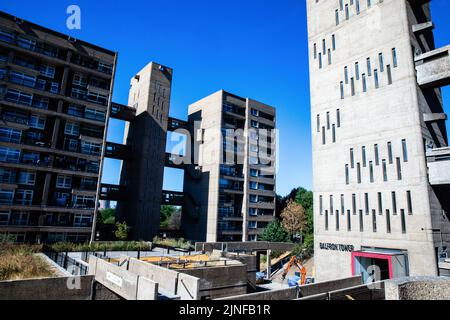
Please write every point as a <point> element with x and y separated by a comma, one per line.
<point>98,247</point>
<point>175,243</point>
<point>20,262</point>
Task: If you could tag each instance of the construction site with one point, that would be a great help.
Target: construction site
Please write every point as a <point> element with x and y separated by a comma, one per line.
<point>214,271</point>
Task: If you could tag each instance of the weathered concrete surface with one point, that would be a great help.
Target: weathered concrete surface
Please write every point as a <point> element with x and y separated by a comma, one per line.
<point>251,262</point>
<point>433,68</point>
<point>439,166</point>
<point>188,287</point>
<point>303,291</point>
<point>64,288</point>
<point>122,282</point>
<point>243,246</point>
<point>166,278</point>
<point>418,288</point>
<point>218,282</point>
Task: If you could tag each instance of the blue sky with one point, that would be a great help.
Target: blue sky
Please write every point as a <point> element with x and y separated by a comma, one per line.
<point>253,48</point>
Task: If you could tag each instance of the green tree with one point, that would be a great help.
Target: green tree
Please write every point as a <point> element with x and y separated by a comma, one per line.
<point>294,218</point>
<point>166,214</point>
<point>305,198</point>
<point>275,232</point>
<point>107,216</point>
<point>121,232</point>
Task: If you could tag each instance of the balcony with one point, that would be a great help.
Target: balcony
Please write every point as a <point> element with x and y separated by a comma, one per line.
<point>122,112</point>
<point>439,166</point>
<point>433,68</point>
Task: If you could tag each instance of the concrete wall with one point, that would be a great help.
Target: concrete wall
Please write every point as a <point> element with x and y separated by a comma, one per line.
<point>418,288</point>
<point>122,282</point>
<point>243,246</point>
<point>303,291</point>
<point>47,289</point>
<point>218,282</point>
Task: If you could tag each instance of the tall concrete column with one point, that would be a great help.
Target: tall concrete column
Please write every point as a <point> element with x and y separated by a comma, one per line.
<point>269,264</point>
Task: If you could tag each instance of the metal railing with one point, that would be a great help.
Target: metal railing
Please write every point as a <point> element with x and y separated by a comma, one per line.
<point>64,261</point>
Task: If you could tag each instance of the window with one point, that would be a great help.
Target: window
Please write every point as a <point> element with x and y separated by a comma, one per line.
<point>369,3</point>
<point>22,79</point>
<point>364,82</point>
<point>320,60</point>
<point>385,177</point>
<point>329,56</point>
<point>380,56</point>
<point>6,196</point>
<point>403,221</point>
<point>333,42</point>
<point>24,197</point>
<point>6,36</point>
<point>26,43</point>
<point>90,148</point>
<point>64,182</point>
<point>75,110</point>
<point>86,202</point>
<point>364,157</point>
<point>328,121</point>
<point>394,57</point>
<point>20,218</point>
<point>369,67</point>
<point>357,70</point>
<point>349,221</point>
<point>338,118</point>
<point>94,114</point>
<point>7,176</point>
<point>374,221</point>
<point>326,220</point>
<point>79,94</point>
<point>9,155</point>
<point>334,133</point>
<point>254,173</point>
<point>342,90</point>
<point>389,73</point>
<point>377,83</point>
<point>361,221</point>
<point>254,124</point>
<point>366,202</point>
<point>315,50</point>
<point>253,198</point>
<point>27,178</point>
<point>104,67</point>
<point>342,204</point>
<point>380,202</point>
<point>82,220</point>
<point>331,205</point>
<point>358,9</point>
<point>4,218</point>
<point>352,158</point>
<point>324,47</point>
<point>324,140</point>
<point>318,123</point>
<point>405,150</point>
<point>372,180</point>
<point>10,135</point>
<point>72,128</point>
<point>97,98</point>
<point>347,175</point>
<point>321,205</point>
<point>399,169</point>
<point>252,225</point>
<point>37,122</point>
<point>352,84</point>
<point>377,155</point>
<point>47,71</point>
<point>394,203</point>
<point>255,113</point>
<point>253,185</point>
<point>354,203</point>
<point>337,17</point>
<point>41,102</point>
<point>80,80</point>
<point>337,220</point>
<point>347,12</point>
<point>341,4</point>
<point>346,74</point>
<point>19,97</point>
<point>358,170</point>
<point>409,202</point>
<point>2,74</point>
<point>390,156</point>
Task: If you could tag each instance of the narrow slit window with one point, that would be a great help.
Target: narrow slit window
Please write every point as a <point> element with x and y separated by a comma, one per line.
<point>328,121</point>
<point>380,57</point>
<point>403,221</point>
<point>374,221</point>
<point>347,175</point>
<point>333,42</point>
<point>321,205</point>
<point>377,155</point>
<point>349,221</point>
<point>358,9</point>
<point>357,70</point>
<point>361,221</point>
<point>337,220</point>
<point>369,67</point>
<point>364,82</point>
<point>346,74</point>
<point>338,118</point>
<point>394,57</point>
<point>405,150</point>
<point>380,203</point>
<point>329,56</point>
<point>315,50</point>
<point>390,155</point>
<point>377,82</point>
<point>388,221</point>
<point>334,133</point>
<point>331,205</point>
<point>364,157</point>
<point>358,169</point>
<point>320,60</point>
<point>409,202</point>
<point>326,220</point>
<point>394,203</point>
<point>399,169</point>
<point>389,74</point>
<point>342,90</point>
<point>352,158</point>
<point>352,83</point>
<point>385,177</point>
<point>342,204</point>
<point>337,16</point>
<point>347,12</point>
<point>318,123</point>
<point>366,202</point>
<point>324,47</point>
<point>354,203</point>
<point>371,172</point>
<point>324,138</point>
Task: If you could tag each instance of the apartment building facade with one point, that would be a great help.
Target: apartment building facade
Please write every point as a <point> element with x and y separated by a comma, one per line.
<point>55,94</point>
<point>234,149</point>
<point>375,119</point>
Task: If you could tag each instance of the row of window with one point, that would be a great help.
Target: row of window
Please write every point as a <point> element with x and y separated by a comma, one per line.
<point>324,51</point>
<point>366,211</point>
<point>22,218</point>
<point>30,81</point>
<point>329,126</point>
<point>53,51</point>
<point>376,162</point>
<point>346,8</point>
<point>364,76</point>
